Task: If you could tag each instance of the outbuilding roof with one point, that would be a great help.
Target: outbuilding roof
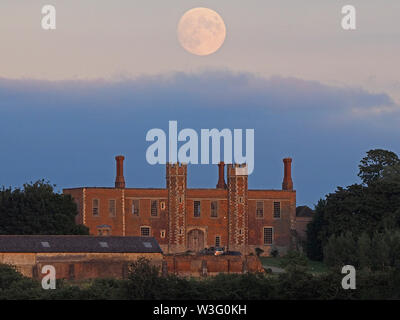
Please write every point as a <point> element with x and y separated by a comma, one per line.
<point>304,211</point>
<point>75,243</point>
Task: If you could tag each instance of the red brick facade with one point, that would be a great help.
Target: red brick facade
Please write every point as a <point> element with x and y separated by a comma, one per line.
<point>230,216</point>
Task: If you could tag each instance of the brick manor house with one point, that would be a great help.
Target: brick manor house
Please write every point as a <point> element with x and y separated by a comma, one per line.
<point>182,218</point>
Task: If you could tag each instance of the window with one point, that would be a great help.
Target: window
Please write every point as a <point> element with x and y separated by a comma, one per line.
<point>240,199</point>
<point>214,209</point>
<point>111,207</point>
<point>147,245</point>
<point>218,241</point>
<point>180,199</point>
<point>104,230</point>
<point>103,244</point>
<point>135,207</point>
<point>95,208</point>
<point>260,209</point>
<point>162,234</point>
<point>145,231</point>
<point>196,208</point>
<point>154,209</point>
<point>162,205</point>
<point>268,236</point>
<point>45,244</point>
<point>277,210</point>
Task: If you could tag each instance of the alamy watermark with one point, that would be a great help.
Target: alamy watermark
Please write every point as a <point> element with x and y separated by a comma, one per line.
<point>348,20</point>
<point>189,152</point>
<point>349,281</point>
<point>49,280</point>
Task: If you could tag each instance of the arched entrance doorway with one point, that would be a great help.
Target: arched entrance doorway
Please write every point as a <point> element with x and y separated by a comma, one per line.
<point>195,240</point>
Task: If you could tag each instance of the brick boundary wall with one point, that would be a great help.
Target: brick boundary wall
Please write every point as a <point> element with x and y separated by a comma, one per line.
<point>208,265</point>
<point>91,266</point>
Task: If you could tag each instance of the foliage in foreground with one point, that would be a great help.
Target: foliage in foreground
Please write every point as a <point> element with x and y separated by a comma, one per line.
<point>145,282</point>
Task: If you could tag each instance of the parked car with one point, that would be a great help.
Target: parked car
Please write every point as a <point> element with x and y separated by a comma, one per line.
<point>207,251</point>
<point>218,251</point>
<point>233,253</point>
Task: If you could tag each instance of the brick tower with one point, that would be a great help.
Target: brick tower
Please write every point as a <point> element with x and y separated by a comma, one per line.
<point>176,185</point>
<point>237,207</point>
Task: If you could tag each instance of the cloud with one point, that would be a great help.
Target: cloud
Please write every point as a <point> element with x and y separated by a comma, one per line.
<point>70,131</point>
<point>205,90</point>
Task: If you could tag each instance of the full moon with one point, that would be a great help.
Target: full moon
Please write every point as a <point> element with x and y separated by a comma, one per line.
<point>201,31</point>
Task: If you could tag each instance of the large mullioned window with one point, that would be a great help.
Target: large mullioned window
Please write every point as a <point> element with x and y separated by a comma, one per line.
<point>196,209</point>
<point>111,207</point>
<point>277,210</point>
<point>268,236</point>
<point>145,231</point>
<point>135,207</point>
<point>260,209</point>
<point>214,209</point>
<point>154,208</point>
<point>96,207</point>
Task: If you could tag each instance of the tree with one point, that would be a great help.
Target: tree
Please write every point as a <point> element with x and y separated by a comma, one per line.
<point>37,209</point>
<point>370,207</point>
<point>391,174</point>
<point>314,243</point>
<point>341,250</point>
<point>364,251</point>
<point>15,286</point>
<point>144,280</point>
<point>373,165</point>
<point>379,252</point>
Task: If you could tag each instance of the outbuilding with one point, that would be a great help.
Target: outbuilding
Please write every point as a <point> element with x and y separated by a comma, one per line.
<point>76,256</point>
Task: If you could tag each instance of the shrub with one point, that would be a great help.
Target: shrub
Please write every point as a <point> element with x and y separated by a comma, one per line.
<point>294,261</point>
<point>143,280</point>
<point>274,252</point>
<point>258,251</point>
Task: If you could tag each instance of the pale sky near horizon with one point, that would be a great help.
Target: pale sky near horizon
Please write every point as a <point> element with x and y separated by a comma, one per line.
<point>114,39</point>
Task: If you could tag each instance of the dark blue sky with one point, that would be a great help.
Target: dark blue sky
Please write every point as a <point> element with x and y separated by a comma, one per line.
<point>69,131</point>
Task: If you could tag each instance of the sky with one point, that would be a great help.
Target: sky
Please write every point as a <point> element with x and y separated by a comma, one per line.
<point>73,98</point>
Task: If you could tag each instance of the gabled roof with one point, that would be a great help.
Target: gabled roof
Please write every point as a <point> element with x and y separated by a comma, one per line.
<point>304,211</point>
<point>75,243</point>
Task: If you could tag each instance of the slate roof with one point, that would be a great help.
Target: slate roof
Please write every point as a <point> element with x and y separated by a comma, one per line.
<point>75,243</point>
<point>304,211</point>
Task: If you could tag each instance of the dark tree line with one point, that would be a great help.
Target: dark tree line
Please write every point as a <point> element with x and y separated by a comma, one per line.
<point>37,209</point>
<point>366,209</point>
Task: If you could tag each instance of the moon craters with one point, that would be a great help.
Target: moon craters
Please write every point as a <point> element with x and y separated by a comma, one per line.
<point>201,31</point>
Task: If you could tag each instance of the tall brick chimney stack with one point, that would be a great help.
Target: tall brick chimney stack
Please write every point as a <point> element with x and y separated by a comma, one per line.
<point>119,179</point>
<point>287,183</point>
<point>221,179</point>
